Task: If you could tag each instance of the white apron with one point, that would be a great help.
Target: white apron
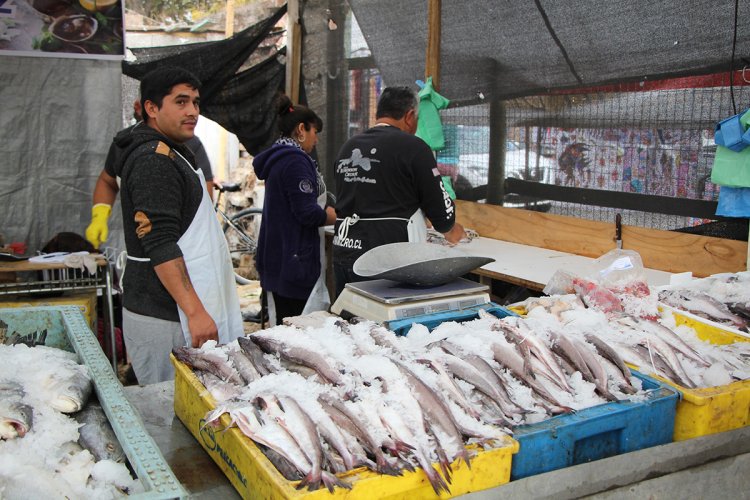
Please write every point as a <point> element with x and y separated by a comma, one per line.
<point>209,266</point>
<point>319,299</point>
<point>416,226</point>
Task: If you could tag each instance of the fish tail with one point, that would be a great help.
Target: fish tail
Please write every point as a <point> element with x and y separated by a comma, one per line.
<point>403,447</point>
<point>311,480</point>
<point>384,467</point>
<point>445,465</point>
<point>408,466</point>
<point>331,480</point>
<point>436,481</point>
<point>627,389</point>
<point>464,454</point>
<point>609,396</point>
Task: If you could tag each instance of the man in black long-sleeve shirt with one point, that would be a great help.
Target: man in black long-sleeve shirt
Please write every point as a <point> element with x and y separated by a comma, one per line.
<point>387,182</point>
<point>178,283</point>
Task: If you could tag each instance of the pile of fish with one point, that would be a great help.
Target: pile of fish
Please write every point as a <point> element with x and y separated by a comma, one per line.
<point>655,345</point>
<point>54,442</point>
<point>722,298</point>
<point>332,395</point>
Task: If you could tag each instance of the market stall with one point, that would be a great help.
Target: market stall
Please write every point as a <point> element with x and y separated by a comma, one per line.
<point>627,370</point>
<point>689,381</point>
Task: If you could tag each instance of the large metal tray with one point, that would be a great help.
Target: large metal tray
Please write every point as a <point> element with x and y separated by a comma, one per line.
<point>421,264</point>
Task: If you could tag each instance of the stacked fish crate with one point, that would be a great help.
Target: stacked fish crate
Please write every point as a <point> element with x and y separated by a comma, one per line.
<point>406,415</point>
<point>45,410</point>
<point>693,337</point>
<point>715,310</point>
<point>300,411</point>
<point>571,378</point>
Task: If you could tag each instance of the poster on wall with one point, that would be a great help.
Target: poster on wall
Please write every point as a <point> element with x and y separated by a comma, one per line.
<point>91,29</point>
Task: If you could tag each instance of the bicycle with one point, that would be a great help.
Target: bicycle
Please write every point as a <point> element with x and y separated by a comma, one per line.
<point>240,230</point>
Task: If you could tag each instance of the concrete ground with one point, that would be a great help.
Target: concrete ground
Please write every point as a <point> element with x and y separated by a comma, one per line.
<point>709,467</point>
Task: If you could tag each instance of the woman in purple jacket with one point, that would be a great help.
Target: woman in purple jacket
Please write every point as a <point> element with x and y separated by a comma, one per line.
<point>289,246</point>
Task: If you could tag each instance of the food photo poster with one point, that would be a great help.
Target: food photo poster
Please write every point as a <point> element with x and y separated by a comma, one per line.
<point>91,29</point>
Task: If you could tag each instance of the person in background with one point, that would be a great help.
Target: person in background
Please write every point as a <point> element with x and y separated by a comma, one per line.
<point>290,255</point>
<point>387,181</point>
<point>178,286</point>
<point>107,185</point>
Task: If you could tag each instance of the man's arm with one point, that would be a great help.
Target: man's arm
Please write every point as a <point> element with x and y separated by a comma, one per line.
<point>210,189</point>
<point>437,204</point>
<point>106,189</point>
<point>174,276</point>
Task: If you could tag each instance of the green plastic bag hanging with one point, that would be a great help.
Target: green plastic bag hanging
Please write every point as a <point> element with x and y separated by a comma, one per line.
<point>429,126</point>
<point>732,168</point>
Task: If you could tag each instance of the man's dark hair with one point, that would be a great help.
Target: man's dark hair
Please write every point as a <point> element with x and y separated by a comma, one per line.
<point>159,82</point>
<point>395,102</point>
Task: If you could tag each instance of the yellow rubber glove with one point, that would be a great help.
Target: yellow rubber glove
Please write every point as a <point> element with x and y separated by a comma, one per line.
<point>98,231</point>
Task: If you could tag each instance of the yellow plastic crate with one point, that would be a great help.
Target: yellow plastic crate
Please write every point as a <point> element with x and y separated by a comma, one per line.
<point>520,310</point>
<point>714,409</point>
<point>254,476</point>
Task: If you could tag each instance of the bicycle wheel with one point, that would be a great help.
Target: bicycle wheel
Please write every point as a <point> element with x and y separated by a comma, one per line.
<point>241,232</point>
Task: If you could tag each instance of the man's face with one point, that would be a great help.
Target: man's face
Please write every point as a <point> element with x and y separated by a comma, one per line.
<point>178,114</point>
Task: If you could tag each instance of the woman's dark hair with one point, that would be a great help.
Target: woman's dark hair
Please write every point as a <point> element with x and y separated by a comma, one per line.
<point>159,82</point>
<point>291,115</point>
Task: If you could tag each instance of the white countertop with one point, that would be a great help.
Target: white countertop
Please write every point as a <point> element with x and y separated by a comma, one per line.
<point>532,267</point>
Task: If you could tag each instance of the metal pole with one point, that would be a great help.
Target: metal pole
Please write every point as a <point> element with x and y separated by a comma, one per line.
<point>109,314</point>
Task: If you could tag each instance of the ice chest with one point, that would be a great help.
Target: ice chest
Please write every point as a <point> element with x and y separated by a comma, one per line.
<point>254,476</point>
<point>598,432</point>
<point>714,409</point>
<point>67,329</point>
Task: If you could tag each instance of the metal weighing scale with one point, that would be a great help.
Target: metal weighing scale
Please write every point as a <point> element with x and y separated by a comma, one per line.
<point>415,283</point>
<point>397,305</point>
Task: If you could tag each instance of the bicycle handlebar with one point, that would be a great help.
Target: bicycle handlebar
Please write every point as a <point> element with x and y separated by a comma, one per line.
<point>227,187</point>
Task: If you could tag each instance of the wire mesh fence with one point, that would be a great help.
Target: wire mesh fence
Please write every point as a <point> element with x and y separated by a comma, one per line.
<point>653,139</point>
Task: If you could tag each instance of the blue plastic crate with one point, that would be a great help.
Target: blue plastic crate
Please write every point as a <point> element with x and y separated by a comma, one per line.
<point>431,321</point>
<point>67,329</point>
<point>598,432</point>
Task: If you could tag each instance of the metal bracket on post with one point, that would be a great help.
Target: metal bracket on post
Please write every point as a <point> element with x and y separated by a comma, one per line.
<point>618,230</point>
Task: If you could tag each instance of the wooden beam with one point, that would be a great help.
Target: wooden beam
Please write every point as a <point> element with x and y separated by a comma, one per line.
<point>669,251</point>
<point>432,57</point>
<point>229,20</point>
<point>293,51</point>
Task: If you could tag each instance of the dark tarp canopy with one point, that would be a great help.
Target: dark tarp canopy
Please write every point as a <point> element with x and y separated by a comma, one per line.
<point>241,102</point>
<point>511,48</point>
<point>245,104</point>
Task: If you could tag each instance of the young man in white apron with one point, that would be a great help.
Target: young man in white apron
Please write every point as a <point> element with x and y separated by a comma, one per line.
<point>179,285</point>
<point>387,182</point>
